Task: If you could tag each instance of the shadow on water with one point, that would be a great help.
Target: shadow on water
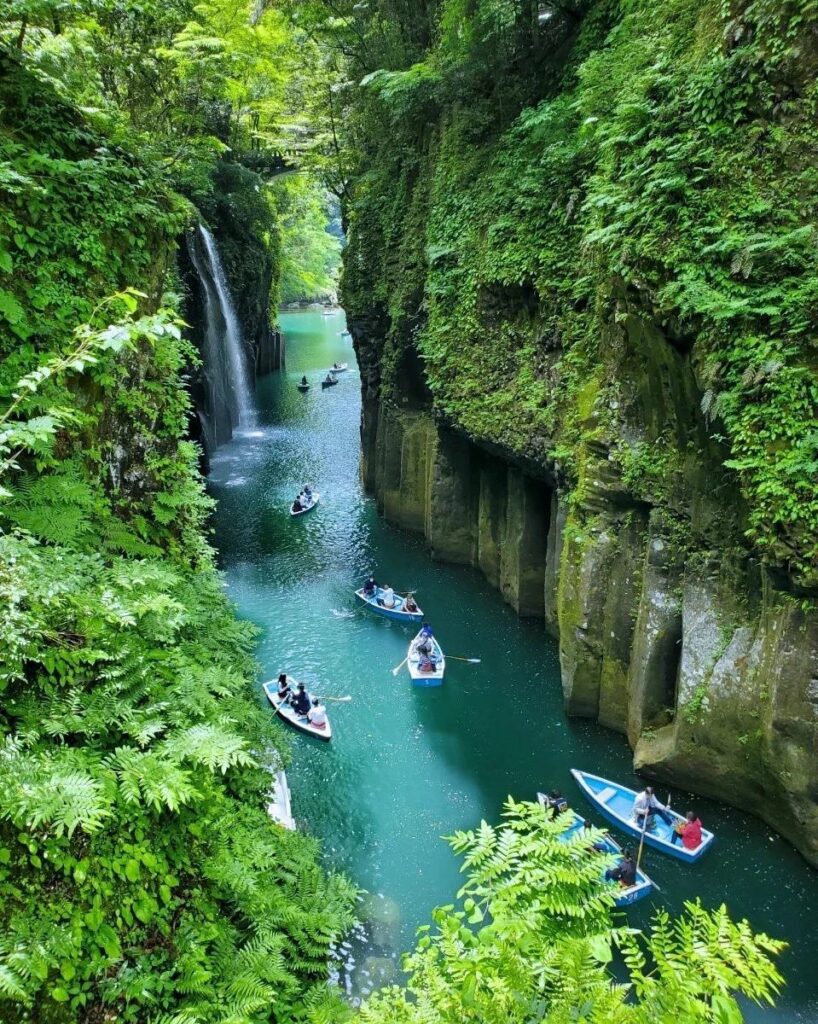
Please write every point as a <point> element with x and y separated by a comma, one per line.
<point>408,765</point>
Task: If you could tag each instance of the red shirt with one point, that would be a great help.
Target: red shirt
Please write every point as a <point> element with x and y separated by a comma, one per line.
<point>691,833</point>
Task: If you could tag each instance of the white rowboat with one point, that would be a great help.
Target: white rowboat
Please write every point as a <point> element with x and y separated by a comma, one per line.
<point>300,722</point>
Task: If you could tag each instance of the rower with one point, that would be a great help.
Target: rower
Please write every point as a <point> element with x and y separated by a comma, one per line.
<point>329,379</point>
<point>317,715</point>
<point>645,806</point>
<point>370,587</point>
<point>304,381</point>
<point>301,701</point>
<point>387,598</point>
<point>304,500</point>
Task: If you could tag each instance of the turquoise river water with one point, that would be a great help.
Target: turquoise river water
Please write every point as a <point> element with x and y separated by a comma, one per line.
<point>407,765</point>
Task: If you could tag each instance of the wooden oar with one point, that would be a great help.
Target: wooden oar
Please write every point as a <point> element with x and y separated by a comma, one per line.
<point>338,700</point>
<point>642,837</point>
<point>397,668</point>
<point>454,657</point>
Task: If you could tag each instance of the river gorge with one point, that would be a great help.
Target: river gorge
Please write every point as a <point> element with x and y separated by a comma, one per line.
<point>408,766</point>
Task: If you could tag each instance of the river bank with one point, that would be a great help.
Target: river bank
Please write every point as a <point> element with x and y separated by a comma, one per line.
<point>408,766</point>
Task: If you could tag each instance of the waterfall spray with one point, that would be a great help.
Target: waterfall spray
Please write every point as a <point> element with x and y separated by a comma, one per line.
<point>224,340</point>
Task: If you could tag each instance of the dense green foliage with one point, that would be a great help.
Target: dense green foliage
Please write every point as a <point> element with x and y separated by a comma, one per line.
<point>533,940</point>
<point>141,878</point>
<point>311,256</point>
<point>522,187</point>
<point>140,875</point>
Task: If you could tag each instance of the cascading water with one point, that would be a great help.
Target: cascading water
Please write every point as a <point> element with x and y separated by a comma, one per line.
<point>228,400</point>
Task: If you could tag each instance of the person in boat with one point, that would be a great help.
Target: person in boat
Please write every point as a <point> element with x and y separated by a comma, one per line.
<point>625,870</point>
<point>317,715</point>
<point>335,366</point>
<point>297,506</point>
<point>426,631</point>
<point>424,643</point>
<point>410,605</point>
<point>284,688</point>
<point>301,701</point>
<point>370,588</point>
<point>304,382</point>
<point>645,806</point>
<point>426,664</point>
<point>387,598</point>
<point>329,379</point>
<point>304,500</point>
<point>556,803</point>
<point>689,832</point>
<point>308,492</point>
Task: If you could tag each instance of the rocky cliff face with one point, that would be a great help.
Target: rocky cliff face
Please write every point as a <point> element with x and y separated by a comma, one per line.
<point>679,640</point>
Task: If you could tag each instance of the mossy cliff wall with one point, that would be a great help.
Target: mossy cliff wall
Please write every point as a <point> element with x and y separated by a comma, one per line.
<point>581,282</point>
<point>682,642</point>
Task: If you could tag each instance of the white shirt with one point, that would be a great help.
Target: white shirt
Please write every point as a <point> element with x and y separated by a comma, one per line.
<point>388,596</point>
<point>317,715</point>
<point>644,803</point>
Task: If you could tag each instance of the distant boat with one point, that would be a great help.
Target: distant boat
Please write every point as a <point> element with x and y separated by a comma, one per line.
<point>279,807</point>
<point>327,312</point>
<point>329,383</point>
<point>303,387</point>
<point>398,612</point>
<point>624,894</point>
<point>433,678</point>
<point>615,803</point>
<point>339,368</point>
<point>300,722</point>
<point>316,497</point>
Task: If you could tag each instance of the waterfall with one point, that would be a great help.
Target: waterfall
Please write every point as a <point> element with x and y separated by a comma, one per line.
<point>223,355</point>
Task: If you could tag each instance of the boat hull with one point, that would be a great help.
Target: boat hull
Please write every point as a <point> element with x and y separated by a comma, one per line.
<point>291,718</point>
<point>614,802</point>
<point>339,369</point>
<point>413,660</point>
<point>623,897</point>
<point>303,388</point>
<point>316,497</point>
<point>396,614</point>
<point>328,383</point>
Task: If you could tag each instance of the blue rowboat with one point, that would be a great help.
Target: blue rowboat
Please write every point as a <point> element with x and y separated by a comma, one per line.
<point>398,612</point>
<point>625,895</point>
<point>420,678</point>
<point>615,803</point>
<point>300,722</point>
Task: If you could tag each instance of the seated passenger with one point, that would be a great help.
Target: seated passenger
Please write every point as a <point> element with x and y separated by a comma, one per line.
<point>689,831</point>
<point>317,715</point>
<point>556,803</point>
<point>426,630</point>
<point>303,380</point>
<point>297,507</point>
<point>426,664</point>
<point>387,598</point>
<point>625,870</point>
<point>370,587</point>
<point>301,701</point>
<point>284,689</point>
<point>304,500</point>
<point>410,605</point>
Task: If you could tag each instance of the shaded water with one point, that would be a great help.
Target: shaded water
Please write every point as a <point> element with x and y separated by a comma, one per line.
<point>408,765</point>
